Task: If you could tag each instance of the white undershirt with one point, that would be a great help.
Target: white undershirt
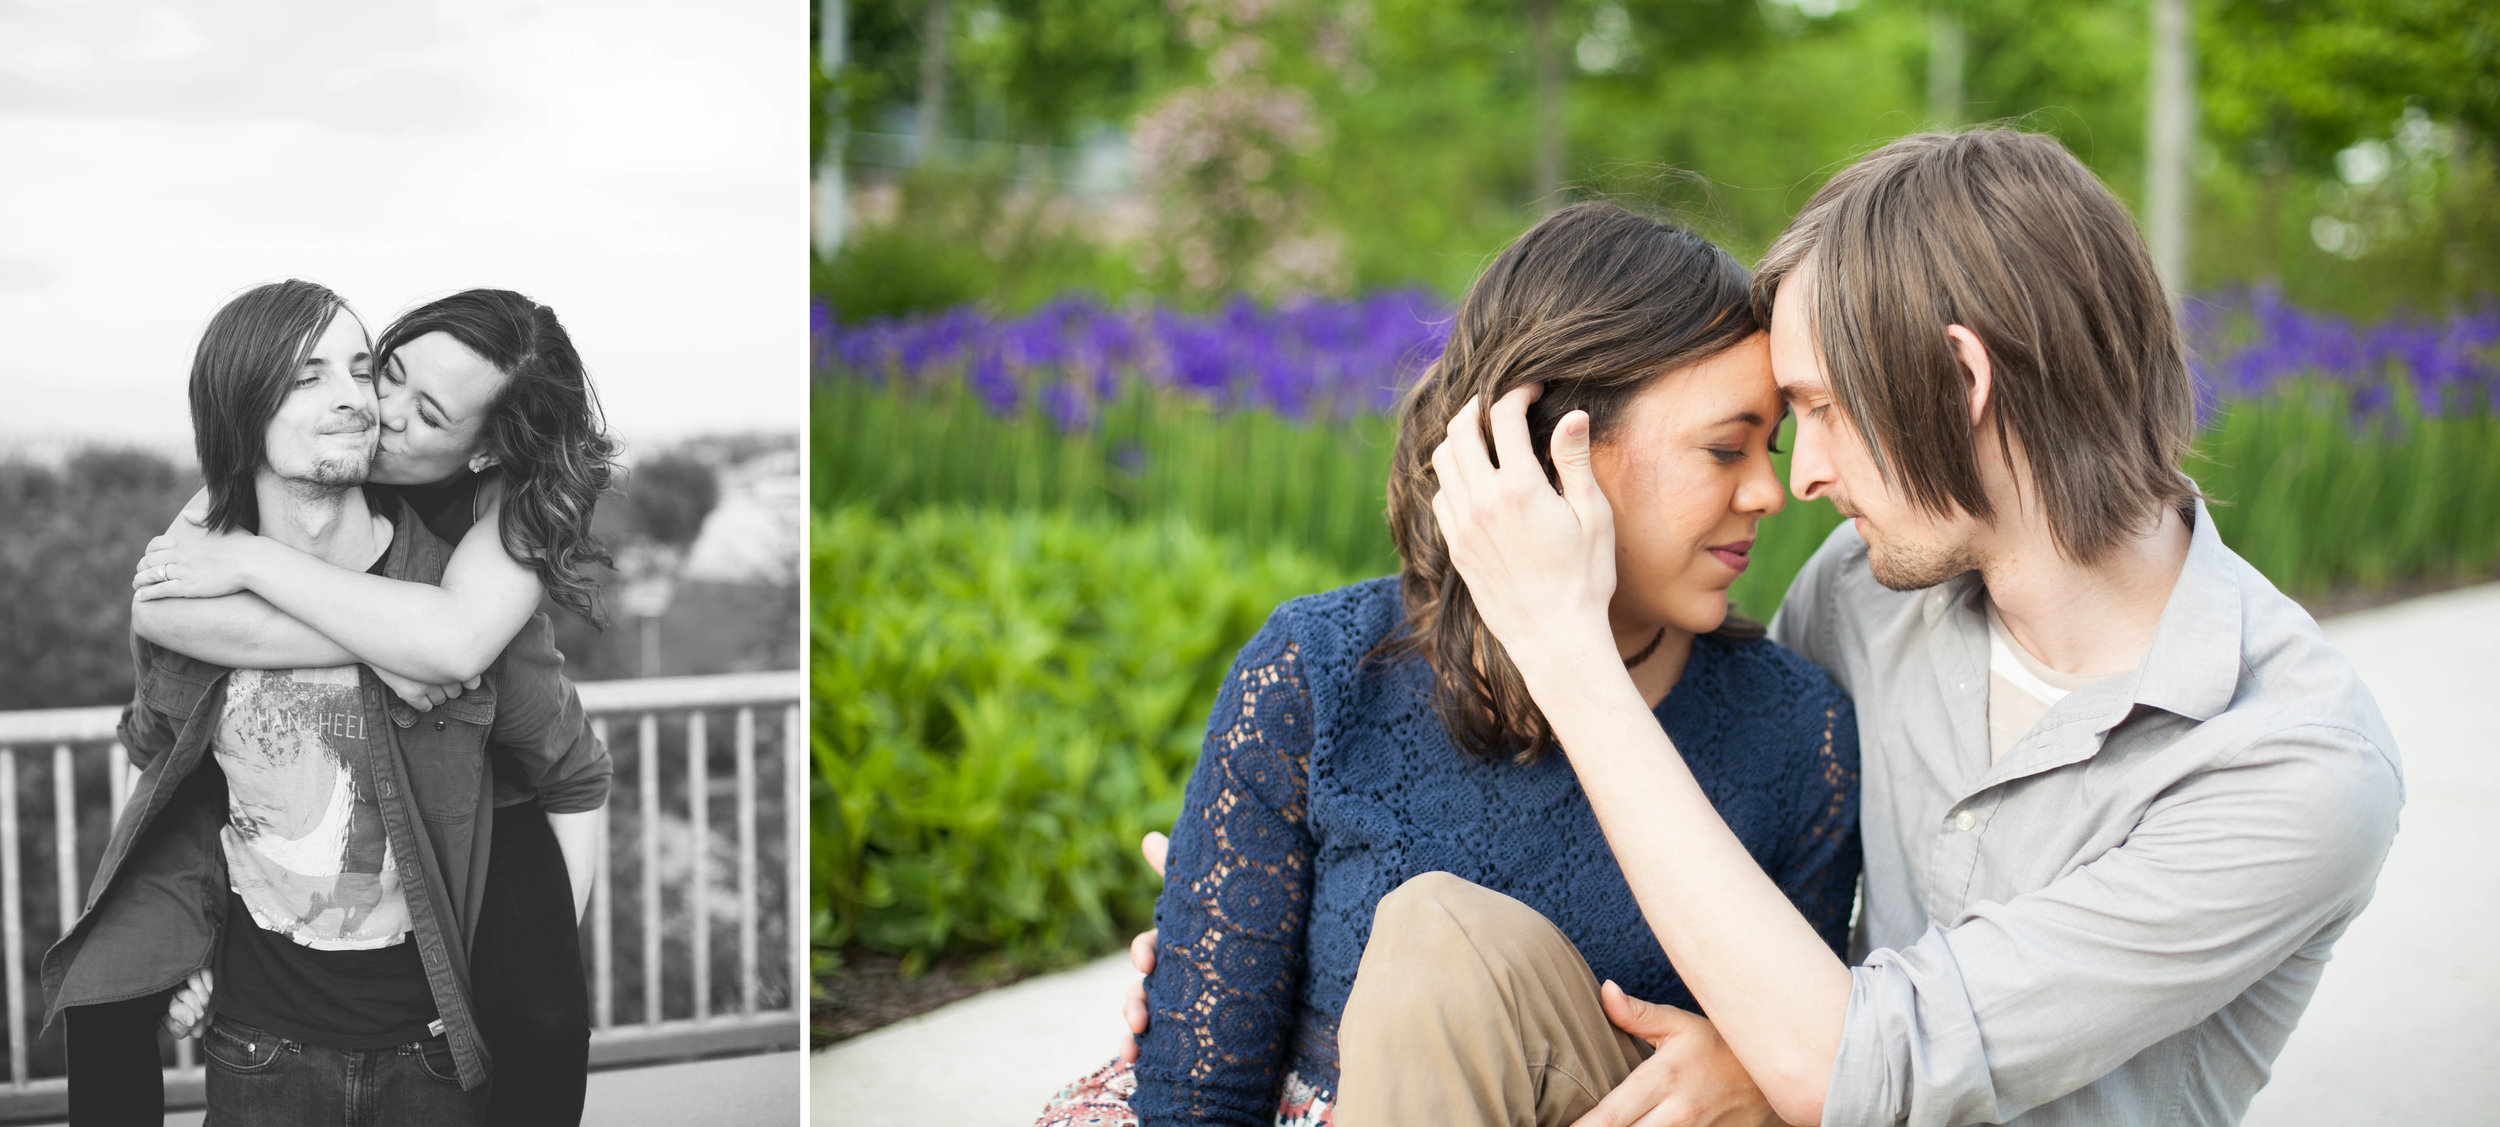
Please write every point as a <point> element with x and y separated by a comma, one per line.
<point>2021,688</point>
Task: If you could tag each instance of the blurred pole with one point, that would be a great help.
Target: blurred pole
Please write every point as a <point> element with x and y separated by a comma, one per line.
<point>932,110</point>
<point>1947,55</point>
<point>832,195</point>
<point>650,645</point>
<point>2170,135</point>
<point>1547,63</point>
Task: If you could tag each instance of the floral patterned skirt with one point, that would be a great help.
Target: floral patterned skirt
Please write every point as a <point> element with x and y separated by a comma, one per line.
<point>1100,1099</point>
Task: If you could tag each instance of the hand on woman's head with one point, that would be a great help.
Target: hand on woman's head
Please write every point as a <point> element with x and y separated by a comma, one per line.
<point>1539,565</point>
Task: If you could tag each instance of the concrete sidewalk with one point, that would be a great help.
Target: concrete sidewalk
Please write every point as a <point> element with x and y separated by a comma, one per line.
<point>2403,1030</point>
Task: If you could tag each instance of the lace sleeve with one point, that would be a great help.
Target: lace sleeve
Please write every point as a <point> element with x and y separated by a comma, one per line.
<point>1236,891</point>
<point>1820,875</point>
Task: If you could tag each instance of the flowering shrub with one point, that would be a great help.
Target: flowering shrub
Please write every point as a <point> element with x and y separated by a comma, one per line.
<point>2250,342</point>
<point>1299,359</point>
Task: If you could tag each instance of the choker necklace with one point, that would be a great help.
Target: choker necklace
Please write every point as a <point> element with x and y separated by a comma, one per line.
<point>1647,650</point>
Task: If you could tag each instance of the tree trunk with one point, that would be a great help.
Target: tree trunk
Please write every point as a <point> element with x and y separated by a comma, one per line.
<point>932,114</point>
<point>1947,52</point>
<point>832,196</point>
<point>1545,51</point>
<point>2170,137</point>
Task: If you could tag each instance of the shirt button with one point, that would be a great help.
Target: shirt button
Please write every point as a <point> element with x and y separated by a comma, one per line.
<point>1965,820</point>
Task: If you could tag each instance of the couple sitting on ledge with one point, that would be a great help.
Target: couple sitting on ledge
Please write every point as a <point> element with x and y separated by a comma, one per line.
<point>1538,831</point>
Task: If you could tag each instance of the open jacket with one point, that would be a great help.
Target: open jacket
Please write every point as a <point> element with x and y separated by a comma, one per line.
<point>157,902</point>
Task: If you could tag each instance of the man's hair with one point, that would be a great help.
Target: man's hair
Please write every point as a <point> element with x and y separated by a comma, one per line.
<point>2007,234</point>
<point>240,373</point>
<point>544,428</point>
<point>1597,303</point>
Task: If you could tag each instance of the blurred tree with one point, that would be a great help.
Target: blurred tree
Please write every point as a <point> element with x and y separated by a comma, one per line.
<point>668,496</point>
<point>72,536</point>
<point>1039,71</point>
<point>1439,127</point>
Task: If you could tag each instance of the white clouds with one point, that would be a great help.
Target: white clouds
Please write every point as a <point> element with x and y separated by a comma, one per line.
<point>637,166</point>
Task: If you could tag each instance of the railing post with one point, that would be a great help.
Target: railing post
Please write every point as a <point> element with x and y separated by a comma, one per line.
<point>12,917</point>
<point>794,876</point>
<point>699,880</point>
<point>602,928</point>
<point>647,772</point>
<point>65,832</point>
<point>748,968</point>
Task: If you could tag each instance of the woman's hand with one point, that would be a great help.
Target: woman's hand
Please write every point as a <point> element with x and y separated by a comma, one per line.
<point>1540,567</point>
<point>1141,955</point>
<point>420,695</point>
<point>195,563</point>
<point>187,1014</point>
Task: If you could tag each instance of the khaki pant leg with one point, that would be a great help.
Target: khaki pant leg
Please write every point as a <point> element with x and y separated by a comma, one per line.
<point>1471,1008</point>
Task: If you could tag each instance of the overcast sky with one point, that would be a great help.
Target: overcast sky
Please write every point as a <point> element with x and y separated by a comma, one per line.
<point>639,167</point>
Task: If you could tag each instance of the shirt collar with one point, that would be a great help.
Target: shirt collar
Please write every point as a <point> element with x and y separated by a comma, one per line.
<point>2193,666</point>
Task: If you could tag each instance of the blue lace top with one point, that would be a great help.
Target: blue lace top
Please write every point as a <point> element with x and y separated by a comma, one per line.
<point>1326,782</point>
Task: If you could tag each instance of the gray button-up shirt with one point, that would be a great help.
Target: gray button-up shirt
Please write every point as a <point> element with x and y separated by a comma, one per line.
<point>2121,920</point>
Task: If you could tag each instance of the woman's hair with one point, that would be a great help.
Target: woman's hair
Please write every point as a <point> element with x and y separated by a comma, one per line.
<point>545,430</point>
<point>1595,302</point>
<point>239,376</point>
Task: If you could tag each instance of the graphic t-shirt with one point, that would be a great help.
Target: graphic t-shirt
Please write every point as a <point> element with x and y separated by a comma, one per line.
<point>316,941</point>
<point>304,842</point>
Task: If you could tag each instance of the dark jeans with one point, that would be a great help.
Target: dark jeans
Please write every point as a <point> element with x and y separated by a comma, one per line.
<point>258,1078</point>
<point>533,1006</point>
<point>115,1076</point>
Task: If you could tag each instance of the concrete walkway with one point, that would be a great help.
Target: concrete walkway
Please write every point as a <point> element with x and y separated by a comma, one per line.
<point>2405,1028</point>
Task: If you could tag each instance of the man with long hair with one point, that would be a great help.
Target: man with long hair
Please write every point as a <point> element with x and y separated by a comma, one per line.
<point>304,837</point>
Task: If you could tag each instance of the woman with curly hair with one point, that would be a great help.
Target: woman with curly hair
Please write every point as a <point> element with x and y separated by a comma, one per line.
<point>488,425</point>
<point>1374,734</point>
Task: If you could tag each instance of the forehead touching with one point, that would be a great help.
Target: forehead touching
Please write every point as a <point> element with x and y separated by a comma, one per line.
<point>1730,388</point>
<point>1796,363</point>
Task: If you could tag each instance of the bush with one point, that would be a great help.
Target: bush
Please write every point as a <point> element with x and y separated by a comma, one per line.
<point>1004,704</point>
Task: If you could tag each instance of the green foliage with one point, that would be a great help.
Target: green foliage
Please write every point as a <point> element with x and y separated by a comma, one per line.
<point>2304,78</point>
<point>964,236</point>
<point>2318,502</point>
<point>1319,488</point>
<point>1430,123</point>
<point>1004,704</point>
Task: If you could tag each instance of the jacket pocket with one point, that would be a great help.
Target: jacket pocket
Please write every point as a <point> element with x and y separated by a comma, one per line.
<point>445,753</point>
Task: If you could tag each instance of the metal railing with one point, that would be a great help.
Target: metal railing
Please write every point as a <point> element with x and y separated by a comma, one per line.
<point>704,834</point>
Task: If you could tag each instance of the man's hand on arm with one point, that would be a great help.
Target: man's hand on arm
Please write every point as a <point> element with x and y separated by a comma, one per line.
<point>1141,954</point>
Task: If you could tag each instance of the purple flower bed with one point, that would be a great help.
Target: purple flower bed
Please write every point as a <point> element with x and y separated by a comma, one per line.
<point>1321,358</point>
<point>1327,358</point>
<point>2249,342</point>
